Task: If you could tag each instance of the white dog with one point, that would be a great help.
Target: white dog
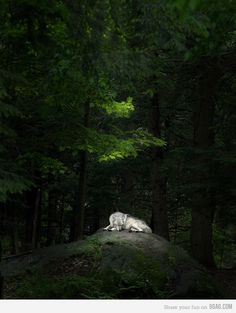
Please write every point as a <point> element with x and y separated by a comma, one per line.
<point>119,221</point>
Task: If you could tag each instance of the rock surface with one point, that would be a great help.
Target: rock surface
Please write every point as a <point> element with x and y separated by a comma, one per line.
<point>115,265</point>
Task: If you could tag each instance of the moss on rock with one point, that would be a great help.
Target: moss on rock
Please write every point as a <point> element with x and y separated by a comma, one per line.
<point>109,265</point>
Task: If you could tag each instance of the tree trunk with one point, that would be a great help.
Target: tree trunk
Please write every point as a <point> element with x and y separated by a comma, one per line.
<point>158,178</point>
<point>15,235</point>
<point>61,210</point>
<point>1,277</point>
<point>30,196</point>
<point>36,217</point>
<point>81,193</point>
<point>52,219</point>
<point>202,206</point>
<point>32,217</point>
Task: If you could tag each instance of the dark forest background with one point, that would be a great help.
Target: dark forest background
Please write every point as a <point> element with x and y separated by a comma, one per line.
<point>118,105</point>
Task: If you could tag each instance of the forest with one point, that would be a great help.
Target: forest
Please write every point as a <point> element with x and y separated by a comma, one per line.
<point>118,105</point>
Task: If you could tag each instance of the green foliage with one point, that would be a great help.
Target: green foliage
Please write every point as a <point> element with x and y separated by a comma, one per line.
<point>8,110</point>
<point>110,147</point>
<point>72,287</point>
<point>12,183</point>
<point>224,246</point>
<point>119,109</point>
<point>207,25</point>
<point>105,286</point>
<point>92,250</point>
<point>52,166</point>
<point>120,149</point>
<point>12,178</point>
<point>146,280</point>
<point>57,56</point>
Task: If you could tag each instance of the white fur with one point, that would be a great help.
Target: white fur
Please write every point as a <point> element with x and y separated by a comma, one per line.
<point>119,221</point>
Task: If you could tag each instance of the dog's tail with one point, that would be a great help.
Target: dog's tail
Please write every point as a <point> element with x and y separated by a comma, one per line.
<point>147,229</point>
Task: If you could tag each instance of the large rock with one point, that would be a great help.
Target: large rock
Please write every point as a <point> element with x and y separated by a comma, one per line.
<point>115,265</point>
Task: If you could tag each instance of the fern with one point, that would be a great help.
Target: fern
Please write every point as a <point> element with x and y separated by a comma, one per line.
<point>11,183</point>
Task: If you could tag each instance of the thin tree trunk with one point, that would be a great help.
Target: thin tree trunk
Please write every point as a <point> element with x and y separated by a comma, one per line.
<point>1,232</point>
<point>52,219</point>
<point>81,193</point>
<point>201,231</point>
<point>127,187</point>
<point>36,219</point>
<point>61,210</point>
<point>176,225</point>
<point>15,236</point>
<point>222,251</point>
<point>202,206</point>
<point>158,178</point>
<point>30,196</point>
<point>1,277</point>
